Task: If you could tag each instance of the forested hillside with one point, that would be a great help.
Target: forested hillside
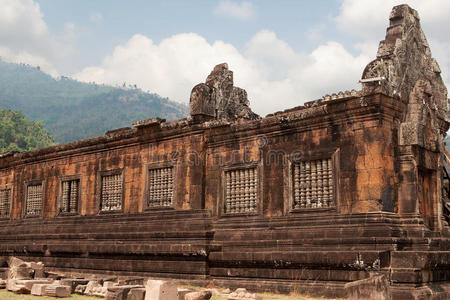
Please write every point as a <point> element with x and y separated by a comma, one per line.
<point>73,110</point>
<point>19,134</point>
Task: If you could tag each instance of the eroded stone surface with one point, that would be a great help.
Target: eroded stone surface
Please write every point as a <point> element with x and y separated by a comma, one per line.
<point>406,70</point>
<point>182,292</point>
<point>74,283</point>
<point>160,290</point>
<point>120,292</point>
<point>39,289</point>
<point>202,295</point>
<point>91,287</point>
<point>217,98</point>
<point>19,269</point>
<point>243,294</point>
<point>56,290</point>
<point>136,294</point>
<point>374,288</point>
<point>79,289</point>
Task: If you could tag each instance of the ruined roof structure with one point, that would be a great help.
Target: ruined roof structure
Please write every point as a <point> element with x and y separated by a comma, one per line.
<point>345,195</point>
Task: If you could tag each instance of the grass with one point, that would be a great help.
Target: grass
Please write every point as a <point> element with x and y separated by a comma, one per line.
<point>267,296</point>
<point>5,295</point>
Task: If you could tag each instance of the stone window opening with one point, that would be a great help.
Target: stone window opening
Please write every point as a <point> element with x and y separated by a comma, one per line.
<point>313,184</point>
<point>160,187</point>
<point>111,192</point>
<point>70,195</point>
<point>34,199</point>
<point>5,202</point>
<point>241,190</point>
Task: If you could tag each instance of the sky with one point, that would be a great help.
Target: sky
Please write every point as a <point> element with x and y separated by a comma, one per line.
<point>283,53</point>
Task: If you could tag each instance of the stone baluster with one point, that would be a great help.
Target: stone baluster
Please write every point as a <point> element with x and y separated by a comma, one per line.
<point>253,188</point>
<point>319,183</point>
<point>313,184</point>
<point>308,183</point>
<point>297,186</point>
<point>303,184</point>
<point>326,194</point>
<point>330,182</point>
<point>73,203</point>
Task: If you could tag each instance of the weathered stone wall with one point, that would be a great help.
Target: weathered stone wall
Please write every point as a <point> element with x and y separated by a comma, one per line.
<point>405,69</point>
<point>87,165</point>
<point>359,137</point>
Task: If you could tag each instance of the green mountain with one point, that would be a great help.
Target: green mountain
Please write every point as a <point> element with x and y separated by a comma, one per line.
<point>19,134</point>
<point>71,110</point>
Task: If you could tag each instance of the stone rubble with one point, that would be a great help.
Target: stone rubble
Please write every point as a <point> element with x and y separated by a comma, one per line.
<point>136,294</point>
<point>242,294</point>
<point>32,278</point>
<point>203,295</point>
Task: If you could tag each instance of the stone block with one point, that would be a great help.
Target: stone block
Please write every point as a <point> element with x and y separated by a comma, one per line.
<point>59,291</point>
<point>120,292</point>
<point>30,283</point>
<point>374,288</point>
<point>20,272</point>
<point>160,290</point>
<point>16,286</point>
<point>73,283</point>
<point>99,291</point>
<point>54,275</point>
<point>108,284</point>
<point>136,294</point>
<point>2,284</point>
<point>79,289</point>
<point>182,292</point>
<point>214,292</point>
<point>91,286</point>
<point>3,273</point>
<point>39,289</point>
<point>203,295</point>
<point>38,269</point>
<point>131,281</point>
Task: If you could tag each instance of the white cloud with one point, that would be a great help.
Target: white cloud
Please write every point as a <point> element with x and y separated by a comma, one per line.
<point>243,10</point>
<point>275,75</point>
<point>367,20</point>
<point>25,38</point>
<point>172,67</point>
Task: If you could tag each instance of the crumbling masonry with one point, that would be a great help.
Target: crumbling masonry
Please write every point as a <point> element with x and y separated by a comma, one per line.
<point>343,188</point>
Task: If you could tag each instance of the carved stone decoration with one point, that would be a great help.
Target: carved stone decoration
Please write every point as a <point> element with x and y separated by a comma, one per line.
<point>313,184</point>
<point>160,187</point>
<point>69,199</point>
<point>5,199</point>
<point>217,98</point>
<point>34,200</point>
<point>241,190</point>
<point>405,69</point>
<point>111,193</point>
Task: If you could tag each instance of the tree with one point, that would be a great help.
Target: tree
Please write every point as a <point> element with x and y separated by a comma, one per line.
<point>19,134</point>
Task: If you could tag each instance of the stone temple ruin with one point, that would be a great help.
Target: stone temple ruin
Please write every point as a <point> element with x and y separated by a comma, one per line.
<point>345,188</point>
